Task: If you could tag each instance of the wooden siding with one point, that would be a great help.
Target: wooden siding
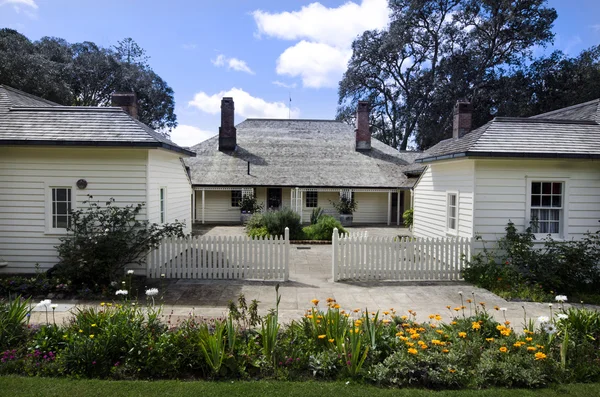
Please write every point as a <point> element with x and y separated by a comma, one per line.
<point>430,198</point>
<point>501,194</point>
<point>371,207</point>
<point>25,173</point>
<point>166,170</point>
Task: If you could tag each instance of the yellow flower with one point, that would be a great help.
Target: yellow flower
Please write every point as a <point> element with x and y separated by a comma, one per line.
<point>336,306</point>
<point>102,303</point>
<point>475,325</point>
<point>539,346</point>
<point>462,335</point>
<point>503,349</point>
<point>436,342</point>
<point>315,302</point>
<point>403,338</point>
<point>506,332</point>
<point>540,356</point>
<point>431,316</point>
<point>518,344</point>
<point>386,321</point>
<point>451,370</point>
<point>453,323</point>
<point>489,339</point>
<point>309,316</point>
<point>331,340</point>
<point>93,325</point>
<point>439,331</point>
<point>92,336</point>
<point>412,351</point>
<point>507,322</point>
<point>329,300</point>
<point>399,333</point>
<point>322,336</point>
<point>356,310</point>
<point>357,323</point>
<point>496,308</point>
<point>409,344</point>
<point>386,312</point>
<point>456,309</point>
<point>404,317</point>
<point>531,349</point>
<point>529,339</point>
<point>423,346</point>
<point>80,331</point>
<point>318,321</point>
<point>415,336</point>
<point>65,336</point>
<point>469,301</point>
<point>109,304</point>
<point>445,351</point>
<point>438,317</point>
<point>433,325</point>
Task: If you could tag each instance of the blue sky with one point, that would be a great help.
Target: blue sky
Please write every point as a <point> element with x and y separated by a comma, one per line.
<point>257,51</point>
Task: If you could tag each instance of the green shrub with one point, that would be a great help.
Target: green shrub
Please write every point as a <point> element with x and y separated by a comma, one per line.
<point>316,215</point>
<point>345,206</point>
<point>105,239</point>
<point>407,218</point>
<point>277,221</point>
<point>250,205</point>
<point>13,327</point>
<point>323,230</point>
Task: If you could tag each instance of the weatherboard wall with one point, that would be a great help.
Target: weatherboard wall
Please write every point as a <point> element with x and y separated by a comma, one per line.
<point>26,174</point>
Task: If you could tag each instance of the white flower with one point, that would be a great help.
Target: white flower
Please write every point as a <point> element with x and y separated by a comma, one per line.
<point>130,272</point>
<point>113,283</point>
<point>45,303</point>
<point>53,306</point>
<point>543,319</point>
<point>550,305</point>
<point>121,292</point>
<point>560,298</point>
<point>549,328</point>
<point>562,316</point>
<point>460,292</point>
<point>162,275</point>
<point>503,309</point>
<point>152,291</point>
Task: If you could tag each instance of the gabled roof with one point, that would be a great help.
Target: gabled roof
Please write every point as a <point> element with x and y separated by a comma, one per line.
<point>28,120</point>
<point>572,132</point>
<point>299,153</point>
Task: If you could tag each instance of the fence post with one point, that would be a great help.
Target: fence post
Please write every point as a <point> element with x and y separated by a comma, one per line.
<point>286,235</point>
<point>334,256</point>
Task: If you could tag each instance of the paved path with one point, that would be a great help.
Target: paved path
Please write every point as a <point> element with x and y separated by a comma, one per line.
<point>310,278</point>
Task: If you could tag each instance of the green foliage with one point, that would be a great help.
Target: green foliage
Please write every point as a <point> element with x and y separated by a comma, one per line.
<point>274,223</point>
<point>323,229</point>
<point>105,239</point>
<point>407,217</point>
<point>13,327</point>
<point>520,268</point>
<point>315,215</point>
<point>86,74</point>
<point>345,205</point>
<point>250,205</point>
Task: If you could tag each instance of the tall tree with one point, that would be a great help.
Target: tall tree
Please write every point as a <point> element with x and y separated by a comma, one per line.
<point>434,50</point>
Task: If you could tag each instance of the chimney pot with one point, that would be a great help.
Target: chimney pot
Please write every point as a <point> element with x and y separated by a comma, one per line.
<point>126,101</point>
<point>227,131</point>
<point>363,134</point>
<point>463,115</point>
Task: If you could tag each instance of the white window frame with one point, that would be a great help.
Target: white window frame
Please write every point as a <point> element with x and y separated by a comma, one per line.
<point>57,184</point>
<point>316,199</point>
<point>564,215</point>
<point>231,197</point>
<point>449,193</point>
<point>162,204</point>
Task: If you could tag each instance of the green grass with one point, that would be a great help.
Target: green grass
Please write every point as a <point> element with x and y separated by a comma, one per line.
<point>19,386</point>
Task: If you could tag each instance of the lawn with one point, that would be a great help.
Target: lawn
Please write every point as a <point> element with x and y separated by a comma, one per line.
<point>35,386</point>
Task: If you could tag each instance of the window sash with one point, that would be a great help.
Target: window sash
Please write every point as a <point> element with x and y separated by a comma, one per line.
<point>236,197</point>
<point>162,205</point>
<point>546,206</point>
<point>312,199</point>
<point>452,211</point>
<point>61,207</point>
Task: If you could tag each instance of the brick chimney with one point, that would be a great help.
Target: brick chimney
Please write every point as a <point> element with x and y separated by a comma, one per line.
<point>463,113</point>
<point>126,101</point>
<point>363,134</point>
<point>227,131</point>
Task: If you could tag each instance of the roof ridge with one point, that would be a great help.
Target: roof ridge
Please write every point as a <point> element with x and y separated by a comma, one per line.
<point>542,120</point>
<point>565,108</point>
<point>273,119</point>
<point>63,108</point>
<point>37,98</point>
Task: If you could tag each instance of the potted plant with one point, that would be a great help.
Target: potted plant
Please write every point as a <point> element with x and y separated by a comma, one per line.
<point>345,207</point>
<point>248,206</point>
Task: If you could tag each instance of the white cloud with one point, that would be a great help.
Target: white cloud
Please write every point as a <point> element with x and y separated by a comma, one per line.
<point>284,85</point>
<point>245,105</point>
<point>189,46</point>
<point>232,63</point>
<point>187,135</point>
<point>319,64</point>
<point>324,37</point>
<point>596,27</point>
<point>17,3</point>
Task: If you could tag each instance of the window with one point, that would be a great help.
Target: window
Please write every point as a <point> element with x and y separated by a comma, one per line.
<point>546,207</point>
<point>163,206</point>
<point>61,207</point>
<point>236,197</point>
<point>452,221</point>
<point>312,199</point>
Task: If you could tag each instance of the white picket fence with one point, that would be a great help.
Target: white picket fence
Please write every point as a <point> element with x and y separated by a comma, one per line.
<point>219,257</point>
<point>406,258</point>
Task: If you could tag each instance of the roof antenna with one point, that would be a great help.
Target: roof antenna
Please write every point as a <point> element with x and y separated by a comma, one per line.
<point>290,106</point>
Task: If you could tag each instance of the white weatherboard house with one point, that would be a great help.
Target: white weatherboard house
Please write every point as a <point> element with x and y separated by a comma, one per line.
<point>545,168</point>
<point>52,157</point>
<point>301,164</point>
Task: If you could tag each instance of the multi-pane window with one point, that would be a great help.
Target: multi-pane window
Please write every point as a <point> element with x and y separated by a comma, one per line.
<point>236,197</point>
<point>452,211</point>
<point>546,206</point>
<point>162,204</point>
<point>61,207</point>
<point>312,199</point>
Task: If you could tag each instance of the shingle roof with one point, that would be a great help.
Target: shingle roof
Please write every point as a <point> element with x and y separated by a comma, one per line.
<point>44,123</point>
<point>298,153</point>
<point>544,136</point>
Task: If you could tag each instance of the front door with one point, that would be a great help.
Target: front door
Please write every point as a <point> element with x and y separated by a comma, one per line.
<point>395,209</point>
<point>274,198</point>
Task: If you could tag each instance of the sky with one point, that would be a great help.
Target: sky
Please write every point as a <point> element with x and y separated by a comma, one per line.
<point>260,52</point>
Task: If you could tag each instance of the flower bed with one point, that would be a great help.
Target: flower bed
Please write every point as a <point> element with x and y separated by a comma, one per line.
<point>131,341</point>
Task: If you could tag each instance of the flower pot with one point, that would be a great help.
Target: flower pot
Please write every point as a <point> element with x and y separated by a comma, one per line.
<point>245,217</point>
<point>346,220</point>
